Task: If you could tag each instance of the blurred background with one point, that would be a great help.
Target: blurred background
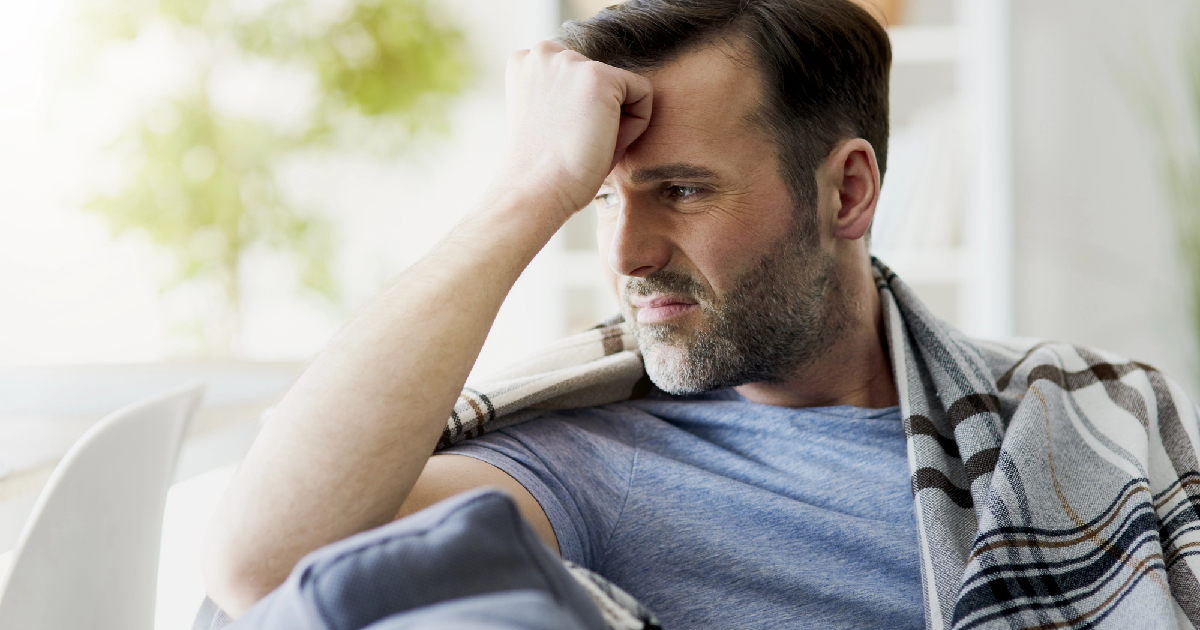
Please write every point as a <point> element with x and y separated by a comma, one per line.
<point>210,188</point>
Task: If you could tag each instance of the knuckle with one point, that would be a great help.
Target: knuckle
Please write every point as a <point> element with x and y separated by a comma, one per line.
<point>596,69</point>
<point>518,55</point>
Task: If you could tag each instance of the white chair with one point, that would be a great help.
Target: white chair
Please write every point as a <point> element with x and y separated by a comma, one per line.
<point>88,556</point>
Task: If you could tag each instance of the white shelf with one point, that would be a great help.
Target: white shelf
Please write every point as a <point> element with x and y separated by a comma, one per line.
<point>966,279</point>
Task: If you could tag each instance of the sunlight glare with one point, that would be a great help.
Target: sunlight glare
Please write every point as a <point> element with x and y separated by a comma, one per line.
<point>23,27</point>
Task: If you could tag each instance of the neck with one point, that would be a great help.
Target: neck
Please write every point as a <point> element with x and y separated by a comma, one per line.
<point>853,370</point>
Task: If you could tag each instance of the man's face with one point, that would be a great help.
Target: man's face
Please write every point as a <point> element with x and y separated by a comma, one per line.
<point>723,281</point>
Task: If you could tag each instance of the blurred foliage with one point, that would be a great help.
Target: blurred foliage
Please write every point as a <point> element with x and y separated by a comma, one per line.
<point>1174,116</point>
<point>202,183</point>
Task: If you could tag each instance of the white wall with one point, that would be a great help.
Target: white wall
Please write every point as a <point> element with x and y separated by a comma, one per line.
<point>1095,261</point>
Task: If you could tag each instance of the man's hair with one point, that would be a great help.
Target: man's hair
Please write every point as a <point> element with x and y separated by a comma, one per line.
<point>824,67</point>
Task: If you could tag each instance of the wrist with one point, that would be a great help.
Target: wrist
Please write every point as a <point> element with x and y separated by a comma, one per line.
<point>508,227</point>
<point>536,210</point>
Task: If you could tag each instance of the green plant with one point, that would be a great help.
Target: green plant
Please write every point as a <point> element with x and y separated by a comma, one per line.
<point>202,183</point>
<point>1174,117</point>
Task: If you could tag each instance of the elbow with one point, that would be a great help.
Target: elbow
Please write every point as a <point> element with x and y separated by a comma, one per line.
<point>232,580</point>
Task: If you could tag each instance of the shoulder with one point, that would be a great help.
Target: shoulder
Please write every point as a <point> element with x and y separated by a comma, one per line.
<point>603,432</point>
<point>578,465</point>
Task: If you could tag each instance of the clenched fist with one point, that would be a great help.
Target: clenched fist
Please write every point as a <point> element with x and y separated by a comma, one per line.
<point>570,121</point>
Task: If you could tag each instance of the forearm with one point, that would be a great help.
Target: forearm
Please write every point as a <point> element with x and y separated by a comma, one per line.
<point>346,444</point>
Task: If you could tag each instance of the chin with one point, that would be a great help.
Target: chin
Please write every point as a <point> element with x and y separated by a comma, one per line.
<point>670,384</point>
<point>668,369</point>
<point>676,371</point>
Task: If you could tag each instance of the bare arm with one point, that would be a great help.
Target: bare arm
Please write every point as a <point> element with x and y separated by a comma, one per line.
<point>346,445</point>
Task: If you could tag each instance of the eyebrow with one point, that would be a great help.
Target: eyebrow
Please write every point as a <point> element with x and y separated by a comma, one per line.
<point>671,171</point>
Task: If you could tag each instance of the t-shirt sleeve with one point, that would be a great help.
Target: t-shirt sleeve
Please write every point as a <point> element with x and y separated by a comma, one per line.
<point>578,465</point>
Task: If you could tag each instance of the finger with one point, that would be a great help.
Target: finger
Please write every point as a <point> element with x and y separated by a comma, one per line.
<point>547,47</point>
<point>620,153</point>
<point>639,96</point>
<point>635,111</point>
<point>630,130</point>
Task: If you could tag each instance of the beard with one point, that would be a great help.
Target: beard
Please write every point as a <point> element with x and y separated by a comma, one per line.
<point>781,316</point>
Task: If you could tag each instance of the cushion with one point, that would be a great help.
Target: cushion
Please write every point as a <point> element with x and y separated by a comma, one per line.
<point>473,544</point>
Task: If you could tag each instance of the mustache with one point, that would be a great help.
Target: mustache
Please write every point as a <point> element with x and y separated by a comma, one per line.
<point>662,281</point>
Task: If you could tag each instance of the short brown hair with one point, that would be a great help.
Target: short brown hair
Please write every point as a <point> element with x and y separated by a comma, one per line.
<point>824,64</point>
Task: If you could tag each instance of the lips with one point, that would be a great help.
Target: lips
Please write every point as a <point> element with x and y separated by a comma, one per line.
<point>655,309</point>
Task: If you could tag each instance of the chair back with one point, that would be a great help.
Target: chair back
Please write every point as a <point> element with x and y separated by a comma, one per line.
<point>87,558</point>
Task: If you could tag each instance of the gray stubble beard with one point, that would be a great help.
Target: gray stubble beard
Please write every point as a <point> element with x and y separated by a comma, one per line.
<point>782,315</point>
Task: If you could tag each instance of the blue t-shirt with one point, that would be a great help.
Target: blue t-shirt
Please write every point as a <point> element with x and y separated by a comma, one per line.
<point>720,513</point>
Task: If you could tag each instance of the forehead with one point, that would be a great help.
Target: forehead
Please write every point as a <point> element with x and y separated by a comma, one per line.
<point>703,101</point>
<point>717,73</point>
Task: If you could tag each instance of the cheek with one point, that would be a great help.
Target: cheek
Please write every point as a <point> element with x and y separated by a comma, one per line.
<point>723,258</point>
<point>719,258</point>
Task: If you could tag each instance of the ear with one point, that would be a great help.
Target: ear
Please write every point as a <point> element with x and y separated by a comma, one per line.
<point>852,180</point>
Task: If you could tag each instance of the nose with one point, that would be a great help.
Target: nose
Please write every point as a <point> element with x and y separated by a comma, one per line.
<point>639,245</point>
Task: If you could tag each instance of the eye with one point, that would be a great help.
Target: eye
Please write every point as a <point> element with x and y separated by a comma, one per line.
<point>606,200</point>
<point>684,193</point>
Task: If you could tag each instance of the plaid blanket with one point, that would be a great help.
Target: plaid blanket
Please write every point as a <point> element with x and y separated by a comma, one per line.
<point>1054,486</point>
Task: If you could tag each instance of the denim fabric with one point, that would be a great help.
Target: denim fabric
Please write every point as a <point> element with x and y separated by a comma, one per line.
<point>471,545</point>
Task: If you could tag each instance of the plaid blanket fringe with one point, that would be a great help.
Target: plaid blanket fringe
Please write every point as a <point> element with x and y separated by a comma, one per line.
<point>1055,486</point>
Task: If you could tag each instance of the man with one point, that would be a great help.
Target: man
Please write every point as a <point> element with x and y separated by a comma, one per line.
<point>734,150</point>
